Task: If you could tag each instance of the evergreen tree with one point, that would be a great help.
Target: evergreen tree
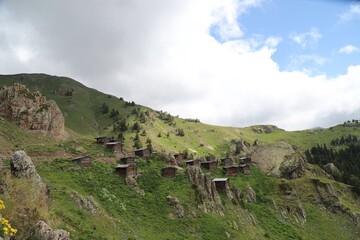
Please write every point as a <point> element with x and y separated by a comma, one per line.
<point>104,108</point>
<point>148,143</point>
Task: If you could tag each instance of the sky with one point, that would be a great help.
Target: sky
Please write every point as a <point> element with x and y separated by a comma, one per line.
<point>294,64</point>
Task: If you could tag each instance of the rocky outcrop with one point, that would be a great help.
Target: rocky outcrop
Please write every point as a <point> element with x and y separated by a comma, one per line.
<point>132,183</point>
<point>85,203</point>
<point>178,209</point>
<point>240,146</point>
<point>293,166</point>
<point>329,197</point>
<point>22,167</point>
<point>170,160</point>
<point>294,212</point>
<point>250,194</point>
<point>31,111</point>
<point>207,197</point>
<point>264,129</point>
<point>45,232</point>
<point>331,169</point>
<point>280,160</point>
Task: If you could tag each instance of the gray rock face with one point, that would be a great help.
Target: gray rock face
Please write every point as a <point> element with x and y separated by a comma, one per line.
<point>22,167</point>
<point>295,213</point>
<point>240,146</point>
<point>293,166</point>
<point>132,183</point>
<point>86,203</point>
<point>250,194</point>
<point>207,197</point>
<point>31,111</point>
<point>329,197</point>
<point>45,232</point>
<point>178,209</point>
<point>280,160</point>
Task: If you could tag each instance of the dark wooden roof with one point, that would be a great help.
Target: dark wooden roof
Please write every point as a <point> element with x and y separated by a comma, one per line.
<point>220,179</point>
<point>230,167</point>
<point>78,158</point>
<point>114,143</point>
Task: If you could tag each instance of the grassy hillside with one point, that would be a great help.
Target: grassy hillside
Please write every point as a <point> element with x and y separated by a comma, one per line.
<point>124,214</point>
<point>83,115</point>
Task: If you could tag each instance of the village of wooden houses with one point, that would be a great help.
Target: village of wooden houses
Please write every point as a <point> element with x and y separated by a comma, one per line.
<point>127,163</point>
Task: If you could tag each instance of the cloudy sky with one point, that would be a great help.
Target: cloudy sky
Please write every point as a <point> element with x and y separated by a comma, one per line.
<point>295,64</point>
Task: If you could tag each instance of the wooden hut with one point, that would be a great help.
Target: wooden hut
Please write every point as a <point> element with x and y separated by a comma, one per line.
<point>126,169</point>
<point>179,157</point>
<point>245,169</point>
<point>226,161</point>
<point>196,163</point>
<point>168,172</point>
<point>127,160</point>
<point>143,152</point>
<point>102,140</point>
<point>245,160</point>
<point>210,165</point>
<point>84,161</point>
<point>230,170</point>
<point>115,147</point>
<point>221,184</point>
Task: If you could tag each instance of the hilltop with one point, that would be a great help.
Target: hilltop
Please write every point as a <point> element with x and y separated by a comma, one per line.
<point>276,200</point>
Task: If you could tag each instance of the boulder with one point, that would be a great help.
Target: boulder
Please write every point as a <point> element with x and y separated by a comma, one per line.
<point>280,160</point>
<point>45,232</point>
<point>331,169</point>
<point>31,111</point>
<point>178,209</point>
<point>85,203</point>
<point>22,167</point>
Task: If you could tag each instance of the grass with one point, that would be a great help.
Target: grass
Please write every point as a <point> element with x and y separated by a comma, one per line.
<point>123,214</point>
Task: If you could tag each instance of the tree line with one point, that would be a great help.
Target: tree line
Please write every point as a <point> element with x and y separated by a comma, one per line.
<point>347,160</point>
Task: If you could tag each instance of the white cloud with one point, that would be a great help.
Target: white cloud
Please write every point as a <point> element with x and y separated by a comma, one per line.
<point>306,39</point>
<point>352,13</point>
<point>297,61</point>
<point>224,17</point>
<point>348,49</point>
<point>160,54</point>
<point>273,41</point>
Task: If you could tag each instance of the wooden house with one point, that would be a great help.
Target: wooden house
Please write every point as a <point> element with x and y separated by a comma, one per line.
<point>245,160</point>
<point>143,152</point>
<point>126,169</point>
<point>102,140</point>
<point>210,165</point>
<point>226,161</point>
<point>221,184</point>
<point>196,163</point>
<point>230,170</point>
<point>115,147</point>
<point>179,157</point>
<point>245,169</point>
<point>84,161</point>
<point>127,160</point>
<point>168,172</point>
